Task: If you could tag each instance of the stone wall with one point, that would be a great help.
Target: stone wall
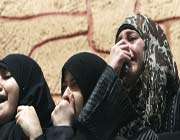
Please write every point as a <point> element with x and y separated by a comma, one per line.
<point>50,31</point>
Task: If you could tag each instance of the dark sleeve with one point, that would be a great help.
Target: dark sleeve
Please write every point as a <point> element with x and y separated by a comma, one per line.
<point>58,133</point>
<point>42,137</point>
<point>170,136</point>
<point>66,133</point>
<point>107,107</point>
<point>177,112</point>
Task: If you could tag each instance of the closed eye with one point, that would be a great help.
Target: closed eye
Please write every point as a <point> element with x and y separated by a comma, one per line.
<point>73,85</point>
<point>132,37</point>
<point>5,74</point>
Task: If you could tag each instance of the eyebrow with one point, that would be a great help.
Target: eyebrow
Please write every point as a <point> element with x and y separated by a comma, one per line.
<point>72,79</point>
<point>128,33</point>
<point>131,32</point>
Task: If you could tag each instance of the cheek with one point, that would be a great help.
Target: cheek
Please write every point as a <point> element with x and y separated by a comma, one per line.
<point>9,107</point>
<point>139,49</point>
<point>13,95</point>
<point>139,52</point>
<point>78,104</point>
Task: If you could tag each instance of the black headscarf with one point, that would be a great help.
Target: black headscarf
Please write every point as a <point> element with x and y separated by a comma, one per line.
<point>86,69</point>
<point>33,91</point>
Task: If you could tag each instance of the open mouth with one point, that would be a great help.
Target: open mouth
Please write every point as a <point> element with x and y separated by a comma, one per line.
<point>2,98</point>
<point>132,58</point>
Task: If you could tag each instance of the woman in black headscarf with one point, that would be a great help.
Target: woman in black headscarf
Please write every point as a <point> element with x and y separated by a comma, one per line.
<point>80,74</point>
<point>32,90</point>
<point>143,69</point>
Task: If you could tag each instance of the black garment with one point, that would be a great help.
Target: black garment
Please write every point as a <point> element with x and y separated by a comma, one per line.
<point>100,125</point>
<point>66,133</point>
<point>153,93</point>
<point>58,133</point>
<point>62,133</point>
<point>177,112</point>
<point>107,108</point>
<point>170,136</point>
<point>33,91</point>
<point>174,135</point>
<point>86,69</point>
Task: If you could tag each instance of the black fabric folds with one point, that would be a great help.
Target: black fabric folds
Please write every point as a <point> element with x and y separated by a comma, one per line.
<point>33,91</point>
<point>86,68</point>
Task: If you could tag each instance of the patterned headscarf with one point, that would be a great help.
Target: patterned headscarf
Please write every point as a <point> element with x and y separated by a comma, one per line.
<point>158,83</point>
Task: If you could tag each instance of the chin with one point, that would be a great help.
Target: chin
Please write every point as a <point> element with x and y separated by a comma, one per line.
<point>131,77</point>
<point>135,69</point>
<point>4,119</point>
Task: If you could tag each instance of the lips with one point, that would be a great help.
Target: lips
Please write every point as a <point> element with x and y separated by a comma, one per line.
<point>2,98</point>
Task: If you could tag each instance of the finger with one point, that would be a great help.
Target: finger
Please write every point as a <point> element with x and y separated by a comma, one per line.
<point>118,52</point>
<point>64,102</point>
<point>123,46</point>
<point>32,108</point>
<point>114,48</point>
<point>17,115</point>
<point>17,121</point>
<point>126,54</point>
<point>20,108</point>
<point>58,106</point>
<point>18,118</point>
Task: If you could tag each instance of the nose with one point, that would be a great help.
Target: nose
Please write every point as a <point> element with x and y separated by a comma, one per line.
<point>67,92</point>
<point>122,41</point>
<point>124,45</point>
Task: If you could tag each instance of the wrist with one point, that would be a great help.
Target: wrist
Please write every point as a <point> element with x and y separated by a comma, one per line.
<point>36,134</point>
<point>62,123</point>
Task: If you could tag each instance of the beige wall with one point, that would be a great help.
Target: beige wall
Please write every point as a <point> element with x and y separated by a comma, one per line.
<point>50,31</point>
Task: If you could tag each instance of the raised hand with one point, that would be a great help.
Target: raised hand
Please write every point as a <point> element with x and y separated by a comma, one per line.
<point>64,112</point>
<point>28,120</point>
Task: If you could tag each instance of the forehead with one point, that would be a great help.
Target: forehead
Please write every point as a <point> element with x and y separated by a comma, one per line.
<point>68,76</point>
<point>127,32</point>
